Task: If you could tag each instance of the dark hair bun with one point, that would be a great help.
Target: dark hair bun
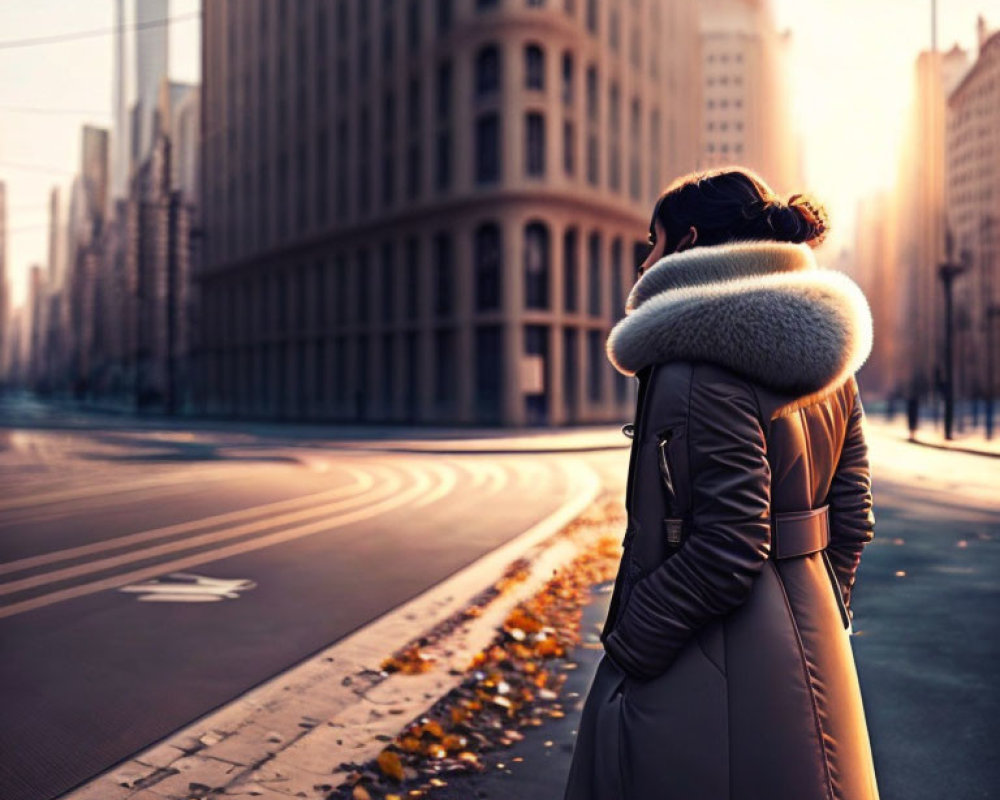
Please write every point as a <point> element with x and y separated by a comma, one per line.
<point>802,220</point>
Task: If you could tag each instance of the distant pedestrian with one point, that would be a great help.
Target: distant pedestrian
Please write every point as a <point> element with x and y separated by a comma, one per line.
<point>913,414</point>
<point>728,672</point>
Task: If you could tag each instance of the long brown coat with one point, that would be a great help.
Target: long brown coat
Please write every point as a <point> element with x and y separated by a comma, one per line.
<point>728,672</point>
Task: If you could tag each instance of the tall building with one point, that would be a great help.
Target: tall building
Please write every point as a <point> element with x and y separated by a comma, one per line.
<point>430,211</point>
<point>88,206</point>
<point>920,201</point>
<point>874,268</point>
<point>972,202</point>
<point>151,59</point>
<point>746,89</point>
<point>4,289</point>
<point>141,54</point>
<point>36,307</point>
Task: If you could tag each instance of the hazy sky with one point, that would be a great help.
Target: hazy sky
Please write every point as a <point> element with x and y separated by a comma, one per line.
<point>853,63</point>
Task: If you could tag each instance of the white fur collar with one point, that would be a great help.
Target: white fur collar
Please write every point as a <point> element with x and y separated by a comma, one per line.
<point>761,309</point>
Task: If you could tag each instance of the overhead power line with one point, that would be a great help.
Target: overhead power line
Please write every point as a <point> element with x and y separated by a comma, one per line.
<point>67,37</point>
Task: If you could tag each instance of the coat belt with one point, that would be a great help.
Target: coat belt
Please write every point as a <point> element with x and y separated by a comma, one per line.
<point>798,533</point>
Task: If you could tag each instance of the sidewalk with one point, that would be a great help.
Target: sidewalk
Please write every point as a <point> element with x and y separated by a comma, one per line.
<point>930,435</point>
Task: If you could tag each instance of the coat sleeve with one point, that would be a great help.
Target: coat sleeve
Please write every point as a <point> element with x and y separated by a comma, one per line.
<point>852,521</point>
<point>714,570</point>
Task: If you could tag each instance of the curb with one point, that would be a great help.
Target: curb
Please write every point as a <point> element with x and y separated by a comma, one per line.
<point>284,737</point>
<point>938,446</point>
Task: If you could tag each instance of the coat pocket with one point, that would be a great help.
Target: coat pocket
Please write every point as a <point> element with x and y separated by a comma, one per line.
<point>837,593</point>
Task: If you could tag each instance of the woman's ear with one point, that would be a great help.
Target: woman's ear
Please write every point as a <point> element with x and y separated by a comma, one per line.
<point>688,240</point>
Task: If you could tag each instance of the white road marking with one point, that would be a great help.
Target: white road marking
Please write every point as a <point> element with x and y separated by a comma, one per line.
<point>392,500</point>
<point>448,481</point>
<point>190,542</point>
<point>183,587</point>
<point>61,495</point>
<point>363,482</point>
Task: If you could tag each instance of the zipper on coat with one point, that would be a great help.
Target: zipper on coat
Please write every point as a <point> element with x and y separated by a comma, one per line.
<point>673,525</point>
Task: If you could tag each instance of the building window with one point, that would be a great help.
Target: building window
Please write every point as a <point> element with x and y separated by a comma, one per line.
<point>413,105</point>
<point>488,148</point>
<point>413,170</point>
<point>413,25</point>
<point>388,280</point>
<point>488,71</point>
<point>489,372</point>
<point>614,146</point>
<point>617,300</point>
<point>483,5</point>
<point>592,109</point>
<point>595,366</point>
<point>594,274</point>
<point>442,175</point>
<point>569,147</point>
<point>536,265</point>
<point>487,267</point>
<point>567,79</point>
<point>592,16</point>
<point>388,41</point>
<point>571,269</point>
<point>443,275</point>
<point>570,372</point>
<point>363,275</point>
<point>444,90</point>
<point>535,144</point>
<point>388,373</point>
<point>613,30</point>
<point>592,160</point>
<point>654,150</point>
<point>444,376</point>
<point>635,144</point>
<point>444,16</point>
<point>412,278</point>
<point>534,67</point>
<point>342,301</point>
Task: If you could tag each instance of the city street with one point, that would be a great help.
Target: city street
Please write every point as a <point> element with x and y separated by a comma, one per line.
<point>151,572</point>
<point>104,653</point>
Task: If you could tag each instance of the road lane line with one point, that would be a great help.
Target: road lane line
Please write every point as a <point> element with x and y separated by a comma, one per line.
<point>188,543</point>
<point>448,481</point>
<point>393,500</point>
<point>61,495</point>
<point>363,480</point>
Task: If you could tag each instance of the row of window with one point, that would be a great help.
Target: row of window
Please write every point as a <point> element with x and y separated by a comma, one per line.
<point>315,295</point>
<point>258,188</point>
<point>724,147</point>
<point>309,376</point>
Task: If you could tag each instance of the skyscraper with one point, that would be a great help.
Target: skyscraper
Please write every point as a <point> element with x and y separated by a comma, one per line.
<point>4,290</point>
<point>430,211</point>
<point>141,54</point>
<point>972,202</point>
<point>746,92</point>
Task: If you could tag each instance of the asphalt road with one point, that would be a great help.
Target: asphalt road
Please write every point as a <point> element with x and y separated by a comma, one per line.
<point>150,576</point>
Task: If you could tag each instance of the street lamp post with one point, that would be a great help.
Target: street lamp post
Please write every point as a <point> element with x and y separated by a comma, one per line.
<point>992,311</point>
<point>947,272</point>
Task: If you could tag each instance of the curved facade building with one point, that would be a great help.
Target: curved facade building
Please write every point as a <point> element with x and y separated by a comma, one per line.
<point>423,211</point>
